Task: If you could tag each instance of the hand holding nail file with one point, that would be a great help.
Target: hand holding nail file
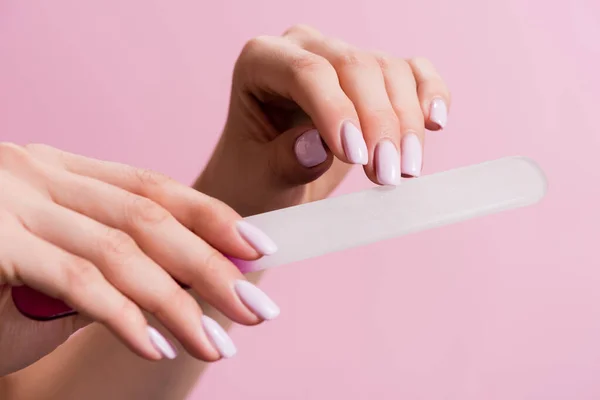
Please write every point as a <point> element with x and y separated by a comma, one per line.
<point>369,216</point>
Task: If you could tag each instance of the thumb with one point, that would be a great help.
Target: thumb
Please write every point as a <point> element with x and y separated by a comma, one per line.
<point>299,156</point>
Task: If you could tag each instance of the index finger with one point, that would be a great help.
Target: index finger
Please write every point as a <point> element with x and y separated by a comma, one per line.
<point>276,65</point>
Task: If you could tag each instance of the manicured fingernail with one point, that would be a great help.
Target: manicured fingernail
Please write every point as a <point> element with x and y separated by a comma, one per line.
<point>438,112</point>
<point>412,155</point>
<point>219,337</point>
<point>256,300</point>
<point>354,144</point>
<point>309,149</point>
<point>387,163</point>
<point>256,238</point>
<point>161,343</point>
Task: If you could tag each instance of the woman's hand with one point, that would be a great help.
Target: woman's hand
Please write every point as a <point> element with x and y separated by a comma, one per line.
<point>304,108</point>
<point>110,240</point>
<point>292,93</point>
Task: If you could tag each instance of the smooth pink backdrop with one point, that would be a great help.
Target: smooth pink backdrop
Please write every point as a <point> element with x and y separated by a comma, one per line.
<point>505,307</point>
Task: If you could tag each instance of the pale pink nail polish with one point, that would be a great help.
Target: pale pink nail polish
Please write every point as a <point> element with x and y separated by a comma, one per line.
<point>354,144</point>
<point>309,149</point>
<point>219,337</point>
<point>412,155</point>
<point>256,300</point>
<point>256,238</point>
<point>161,343</point>
<point>438,112</point>
<point>387,163</point>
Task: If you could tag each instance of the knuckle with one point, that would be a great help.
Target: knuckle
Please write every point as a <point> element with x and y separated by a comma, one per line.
<point>212,258</point>
<point>79,276</point>
<point>355,59</point>
<point>211,265</point>
<point>309,64</point>
<point>255,44</point>
<point>395,65</point>
<point>127,314</point>
<point>149,178</point>
<point>385,61</point>
<point>143,211</point>
<point>308,61</point>
<point>425,69</point>
<point>250,55</point>
<point>117,246</point>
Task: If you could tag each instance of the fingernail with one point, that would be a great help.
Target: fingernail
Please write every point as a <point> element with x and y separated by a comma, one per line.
<point>256,300</point>
<point>309,149</point>
<point>412,155</point>
<point>219,337</point>
<point>438,112</point>
<point>256,238</point>
<point>354,144</point>
<point>387,163</point>
<point>161,343</point>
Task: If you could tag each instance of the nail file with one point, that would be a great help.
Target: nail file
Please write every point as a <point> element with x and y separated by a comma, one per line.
<point>335,224</point>
<point>382,213</point>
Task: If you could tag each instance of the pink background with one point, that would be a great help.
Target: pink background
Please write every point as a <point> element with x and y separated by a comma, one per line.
<point>506,307</point>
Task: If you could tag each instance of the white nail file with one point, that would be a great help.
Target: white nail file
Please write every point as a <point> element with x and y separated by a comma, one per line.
<point>356,219</point>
